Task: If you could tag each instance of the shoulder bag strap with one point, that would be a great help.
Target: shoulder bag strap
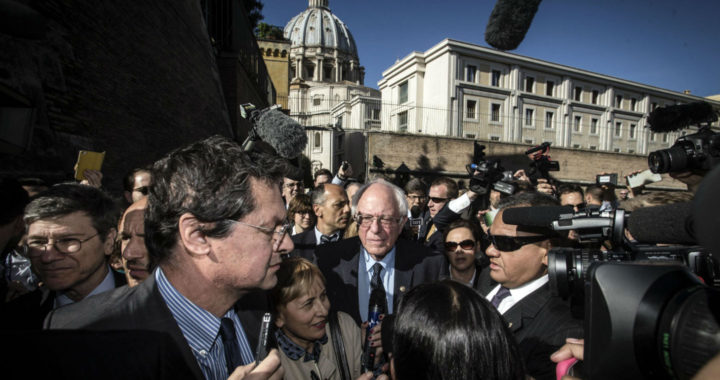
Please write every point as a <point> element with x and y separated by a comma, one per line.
<point>336,337</point>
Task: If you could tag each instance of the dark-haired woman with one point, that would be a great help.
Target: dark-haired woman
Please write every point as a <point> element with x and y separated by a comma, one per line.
<point>447,331</point>
<point>463,252</point>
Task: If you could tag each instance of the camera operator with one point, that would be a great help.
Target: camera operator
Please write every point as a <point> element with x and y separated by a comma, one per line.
<point>516,283</point>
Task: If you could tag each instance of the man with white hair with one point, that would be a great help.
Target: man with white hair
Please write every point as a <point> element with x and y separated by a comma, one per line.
<point>376,261</point>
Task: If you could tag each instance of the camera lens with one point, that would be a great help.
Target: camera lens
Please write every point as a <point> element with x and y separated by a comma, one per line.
<point>673,159</point>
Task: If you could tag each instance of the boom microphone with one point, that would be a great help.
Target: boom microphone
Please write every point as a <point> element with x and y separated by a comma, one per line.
<point>509,22</point>
<point>284,134</point>
<point>670,224</point>
<point>673,118</point>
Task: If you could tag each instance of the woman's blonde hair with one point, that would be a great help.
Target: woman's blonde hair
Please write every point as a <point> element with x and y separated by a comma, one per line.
<point>294,279</point>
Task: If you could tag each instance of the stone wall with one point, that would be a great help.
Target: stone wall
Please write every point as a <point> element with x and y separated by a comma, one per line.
<point>450,155</point>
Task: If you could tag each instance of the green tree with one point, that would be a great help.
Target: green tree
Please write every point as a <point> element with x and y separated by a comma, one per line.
<point>253,8</point>
<point>269,32</point>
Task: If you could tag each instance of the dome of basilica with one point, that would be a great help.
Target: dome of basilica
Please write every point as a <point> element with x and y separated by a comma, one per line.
<point>318,27</point>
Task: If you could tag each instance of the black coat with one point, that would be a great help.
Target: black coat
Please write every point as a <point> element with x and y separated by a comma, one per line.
<point>414,265</point>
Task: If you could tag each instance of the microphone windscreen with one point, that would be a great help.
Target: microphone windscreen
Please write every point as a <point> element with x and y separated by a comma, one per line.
<point>538,216</point>
<point>673,118</point>
<point>509,22</point>
<point>415,211</point>
<point>284,134</point>
<point>668,224</point>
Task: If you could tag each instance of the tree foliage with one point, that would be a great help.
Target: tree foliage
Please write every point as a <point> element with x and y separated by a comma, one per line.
<point>253,8</point>
<point>269,32</point>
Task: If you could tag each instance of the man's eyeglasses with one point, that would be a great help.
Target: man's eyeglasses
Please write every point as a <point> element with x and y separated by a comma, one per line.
<point>513,243</point>
<point>438,200</point>
<point>294,185</point>
<point>143,190</point>
<point>417,197</point>
<point>451,246</point>
<point>385,221</point>
<point>279,231</point>
<point>36,247</point>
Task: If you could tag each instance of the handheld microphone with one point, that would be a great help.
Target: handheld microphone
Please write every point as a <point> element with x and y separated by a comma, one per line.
<point>673,118</point>
<point>509,22</point>
<point>415,219</point>
<point>368,355</point>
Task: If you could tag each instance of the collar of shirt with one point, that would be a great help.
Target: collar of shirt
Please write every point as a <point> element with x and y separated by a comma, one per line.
<point>108,283</point>
<point>518,293</point>
<point>318,234</point>
<point>199,326</point>
<point>295,352</point>
<point>472,280</point>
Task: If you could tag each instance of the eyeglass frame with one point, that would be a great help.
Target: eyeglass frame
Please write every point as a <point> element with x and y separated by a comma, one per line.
<point>287,225</point>
<point>518,241</point>
<point>30,248</point>
<point>358,219</point>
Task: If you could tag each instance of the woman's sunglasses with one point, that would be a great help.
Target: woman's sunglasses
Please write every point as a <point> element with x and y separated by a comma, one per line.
<point>512,243</point>
<point>451,246</point>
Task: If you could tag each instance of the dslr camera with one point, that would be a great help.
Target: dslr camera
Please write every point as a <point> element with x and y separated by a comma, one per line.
<point>699,150</point>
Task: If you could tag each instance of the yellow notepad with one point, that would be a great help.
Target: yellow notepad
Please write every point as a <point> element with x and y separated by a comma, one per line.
<point>88,160</point>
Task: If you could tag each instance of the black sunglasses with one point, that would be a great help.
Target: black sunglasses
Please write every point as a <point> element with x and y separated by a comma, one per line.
<point>438,200</point>
<point>143,190</point>
<point>451,246</point>
<point>512,243</point>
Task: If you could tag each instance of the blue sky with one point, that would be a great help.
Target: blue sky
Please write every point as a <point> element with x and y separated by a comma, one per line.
<point>664,43</point>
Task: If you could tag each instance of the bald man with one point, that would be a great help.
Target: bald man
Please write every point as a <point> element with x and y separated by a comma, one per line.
<point>135,258</point>
<point>332,209</point>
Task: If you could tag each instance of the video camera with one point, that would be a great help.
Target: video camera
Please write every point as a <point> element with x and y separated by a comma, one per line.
<point>699,150</point>
<point>486,174</point>
<point>541,161</point>
<point>649,311</point>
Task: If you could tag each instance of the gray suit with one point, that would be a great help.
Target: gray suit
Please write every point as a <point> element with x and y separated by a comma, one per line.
<point>143,308</point>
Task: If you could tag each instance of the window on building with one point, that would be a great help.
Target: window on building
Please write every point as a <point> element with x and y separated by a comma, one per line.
<point>470,106</point>
<point>529,115</point>
<point>665,137</point>
<point>652,136</point>
<point>495,112</point>
<point>317,100</point>
<point>327,74</point>
<point>616,150</point>
<point>577,123</point>
<point>494,138</point>
<point>577,94</point>
<point>595,95</point>
<point>470,72</point>
<point>403,93</point>
<point>529,83</point>
<point>470,135</point>
<point>402,121</point>
<point>594,126</point>
<point>618,129</point>
<point>549,120</point>
<point>618,101</point>
<point>576,146</point>
<point>339,122</point>
<point>631,151</point>
<point>549,87</point>
<point>593,147</point>
<point>632,130</point>
<point>653,106</point>
<point>529,141</point>
<point>495,80</point>
<point>317,140</point>
<point>633,104</point>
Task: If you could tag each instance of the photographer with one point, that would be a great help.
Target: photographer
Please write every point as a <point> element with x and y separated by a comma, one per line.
<point>516,283</point>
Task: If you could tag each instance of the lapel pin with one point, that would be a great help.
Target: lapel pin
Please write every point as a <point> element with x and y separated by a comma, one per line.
<point>510,325</point>
<point>402,289</point>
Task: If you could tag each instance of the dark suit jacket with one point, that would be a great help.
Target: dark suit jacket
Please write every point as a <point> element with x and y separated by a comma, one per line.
<point>540,323</point>
<point>143,308</point>
<point>414,265</point>
<point>304,244</point>
<point>28,311</point>
<point>441,220</point>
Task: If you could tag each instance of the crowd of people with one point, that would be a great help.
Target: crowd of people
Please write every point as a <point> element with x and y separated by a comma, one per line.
<point>213,237</point>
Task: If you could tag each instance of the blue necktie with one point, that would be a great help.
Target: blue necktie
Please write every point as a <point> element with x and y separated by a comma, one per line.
<point>230,344</point>
<point>502,293</point>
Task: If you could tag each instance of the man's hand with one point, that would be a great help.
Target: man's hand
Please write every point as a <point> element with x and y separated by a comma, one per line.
<point>543,186</point>
<point>520,175</point>
<point>573,348</point>
<point>346,173</point>
<point>691,179</point>
<point>92,178</point>
<point>269,369</point>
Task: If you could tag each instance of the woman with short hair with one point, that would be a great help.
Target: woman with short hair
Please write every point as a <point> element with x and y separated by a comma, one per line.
<point>300,213</point>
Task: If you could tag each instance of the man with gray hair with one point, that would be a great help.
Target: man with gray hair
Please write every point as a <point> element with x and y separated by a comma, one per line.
<point>375,262</point>
<point>215,224</point>
<point>71,230</point>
